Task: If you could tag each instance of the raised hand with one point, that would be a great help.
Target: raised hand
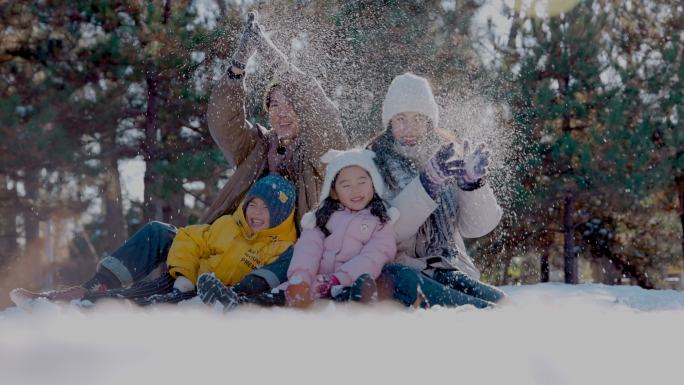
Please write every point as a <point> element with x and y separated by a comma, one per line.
<point>440,168</point>
<point>250,39</point>
<point>475,162</point>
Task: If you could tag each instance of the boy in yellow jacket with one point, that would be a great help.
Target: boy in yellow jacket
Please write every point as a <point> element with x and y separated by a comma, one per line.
<point>256,234</point>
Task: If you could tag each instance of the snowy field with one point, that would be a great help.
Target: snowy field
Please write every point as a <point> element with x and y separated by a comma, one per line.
<point>546,334</point>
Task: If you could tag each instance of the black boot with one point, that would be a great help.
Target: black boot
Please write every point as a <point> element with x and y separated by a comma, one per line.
<point>363,290</point>
<point>210,289</point>
<point>267,299</point>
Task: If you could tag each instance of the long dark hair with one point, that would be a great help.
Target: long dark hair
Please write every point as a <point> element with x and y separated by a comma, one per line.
<point>329,205</point>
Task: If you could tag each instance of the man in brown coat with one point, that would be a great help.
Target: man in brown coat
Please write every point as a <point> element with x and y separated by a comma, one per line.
<point>305,124</point>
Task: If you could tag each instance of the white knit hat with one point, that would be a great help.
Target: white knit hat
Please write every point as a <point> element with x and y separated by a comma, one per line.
<point>336,161</point>
<point>409,93</point>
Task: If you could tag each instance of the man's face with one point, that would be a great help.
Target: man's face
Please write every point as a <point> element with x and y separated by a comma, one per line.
<point>409,128</point>
<point>282,117</point>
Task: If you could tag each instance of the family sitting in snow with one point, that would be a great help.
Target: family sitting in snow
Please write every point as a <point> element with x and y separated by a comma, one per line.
<point>384,222</point>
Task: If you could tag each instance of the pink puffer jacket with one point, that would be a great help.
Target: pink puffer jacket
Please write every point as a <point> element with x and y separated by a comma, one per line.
<point>358,244</point>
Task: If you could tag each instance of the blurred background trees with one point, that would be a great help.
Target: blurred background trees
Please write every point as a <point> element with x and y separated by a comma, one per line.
<point>581,102</point>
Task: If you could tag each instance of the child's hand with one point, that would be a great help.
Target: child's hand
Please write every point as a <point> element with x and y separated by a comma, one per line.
<point>183,284</point>
<point>323,284</point>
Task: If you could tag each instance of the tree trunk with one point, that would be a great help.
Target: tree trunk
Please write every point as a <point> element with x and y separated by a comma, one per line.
<point>504,272</point>
<point>544,267</point>
<point>31,219</point>
<point>8,227</point>
<point>680,190</point>
<point>515,25</point>
<point>167,12</point>
<point>150,209</point>
<point>115,223</point>
<point>173,211</point>
<point>569,255</point>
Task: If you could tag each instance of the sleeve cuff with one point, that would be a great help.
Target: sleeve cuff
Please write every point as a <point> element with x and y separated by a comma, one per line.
<point>471,186</point>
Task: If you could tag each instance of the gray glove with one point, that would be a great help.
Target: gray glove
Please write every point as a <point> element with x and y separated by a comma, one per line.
<point>476,162</point>
<point>251,35</point>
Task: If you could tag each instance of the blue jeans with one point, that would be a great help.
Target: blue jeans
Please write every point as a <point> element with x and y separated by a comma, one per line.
<point>462,282</point>
<point>141,253</point>
<point>446,288</point>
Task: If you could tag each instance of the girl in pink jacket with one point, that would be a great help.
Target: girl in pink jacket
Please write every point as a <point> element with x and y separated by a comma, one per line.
<point>347,240</point>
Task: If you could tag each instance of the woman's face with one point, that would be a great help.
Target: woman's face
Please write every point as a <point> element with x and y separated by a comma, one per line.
<point>353,188</point>
<point>257,215</point>
<point>282,116</point>
<point>409,128</point>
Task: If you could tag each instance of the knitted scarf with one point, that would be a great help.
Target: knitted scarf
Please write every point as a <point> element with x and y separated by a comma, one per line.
<point>399,165</point>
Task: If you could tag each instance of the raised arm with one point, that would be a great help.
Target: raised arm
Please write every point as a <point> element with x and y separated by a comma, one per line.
<point>226,112</point>
<point>226,118</point>
<point>322,125</point>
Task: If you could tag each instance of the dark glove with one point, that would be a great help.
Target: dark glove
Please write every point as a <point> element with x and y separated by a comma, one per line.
<point>476,162</point>
<point>439,168</point>
<point>249,40</point>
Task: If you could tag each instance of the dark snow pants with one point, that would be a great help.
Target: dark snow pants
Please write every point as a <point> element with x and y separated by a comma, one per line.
<point>445,288</point>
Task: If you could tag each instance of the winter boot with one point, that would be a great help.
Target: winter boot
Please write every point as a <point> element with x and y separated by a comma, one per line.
<point>143,289</point>
<point>174,296</point>
<point>269,299</point>
<point>210,289</point>
<point>299,295</point>
<point>364,290</point>
<point>22,296</point>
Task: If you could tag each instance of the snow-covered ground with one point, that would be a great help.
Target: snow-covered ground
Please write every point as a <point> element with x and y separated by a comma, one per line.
<point>546,334</point>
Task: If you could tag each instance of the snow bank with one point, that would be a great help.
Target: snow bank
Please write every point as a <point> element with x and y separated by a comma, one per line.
<point>546,334</point>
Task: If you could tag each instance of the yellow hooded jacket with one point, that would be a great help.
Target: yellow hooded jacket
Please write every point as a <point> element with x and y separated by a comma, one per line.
<point>228,248</point>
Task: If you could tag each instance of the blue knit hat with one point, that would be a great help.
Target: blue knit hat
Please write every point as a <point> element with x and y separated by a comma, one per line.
<point>278,194</point>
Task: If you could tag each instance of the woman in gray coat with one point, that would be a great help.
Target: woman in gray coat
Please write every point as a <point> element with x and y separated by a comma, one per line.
<point>441,190</point>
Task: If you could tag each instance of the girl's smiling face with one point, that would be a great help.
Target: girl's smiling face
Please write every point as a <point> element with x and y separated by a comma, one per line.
<point>353,188</point>
<point>257,215</point>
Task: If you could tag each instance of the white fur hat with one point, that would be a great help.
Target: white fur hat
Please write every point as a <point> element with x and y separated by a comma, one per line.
<point>409,93</point>
<point>336,161</point>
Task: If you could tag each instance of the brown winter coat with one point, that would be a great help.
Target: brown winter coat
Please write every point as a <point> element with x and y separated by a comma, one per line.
<point>246,146</point>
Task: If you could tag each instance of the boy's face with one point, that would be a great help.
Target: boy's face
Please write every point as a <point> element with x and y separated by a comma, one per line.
<point>353,188</point>
<point>257,215</point>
